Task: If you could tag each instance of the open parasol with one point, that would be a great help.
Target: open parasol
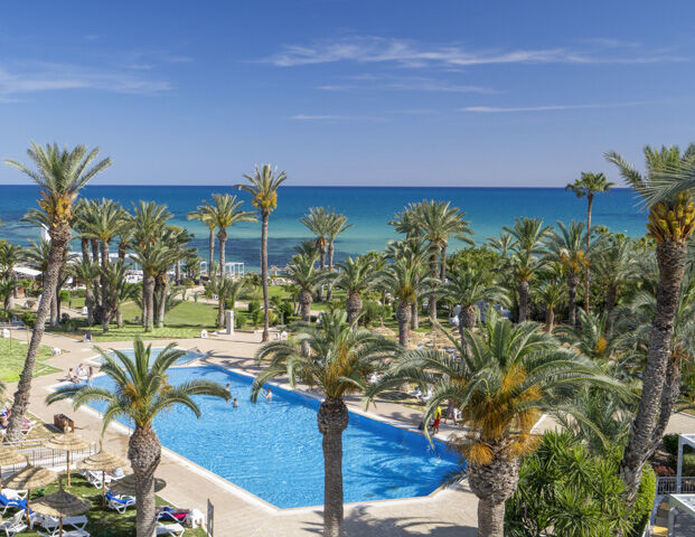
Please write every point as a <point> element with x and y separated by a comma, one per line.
<point>10,457</point>
<point>66,442</point>
<point>30,477</point>
<point>61,504</point>
<point>127,485</point>
<point>103,462</point>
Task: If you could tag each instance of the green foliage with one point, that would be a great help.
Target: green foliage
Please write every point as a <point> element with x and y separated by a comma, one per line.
<point>239,321</point>
<point>254,305</point>
<point>671,444</point>
<point>29,319</point>
<point>64,295</point>
<point>483,260</point>
<point>567,492</point>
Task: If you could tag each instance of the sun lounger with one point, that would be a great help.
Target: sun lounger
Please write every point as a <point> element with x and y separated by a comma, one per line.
<point>52,524</point>
<point>66,533</point>
<point>6,504</point>
<point>169,514</point>
<point>120,503</point>
<point>14,525</point>
<point>176,530</point>
<point>12,494</point>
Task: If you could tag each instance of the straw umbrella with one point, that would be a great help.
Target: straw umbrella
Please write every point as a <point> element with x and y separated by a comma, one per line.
<point>10,457</point>
<point>103,462</point>
<point>31,477</point>
<point>66,442</point>
<point>127,485</point>
<point>61,504</point>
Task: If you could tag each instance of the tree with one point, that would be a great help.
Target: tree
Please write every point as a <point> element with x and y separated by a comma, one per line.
<point>339,363</point>
<point>356,277</point>
<point>527,235</point>
<point>615,266</point>
<point>10,256</point>
<point>226,211</point>
<point>501,382</point>
<point>337,224</point>
<point>59,174</point>
<point>551,294</point>
<point>566,248</point>
<point>671,221</point>
<point>263,185</point>
<point>86,272</point>
<point>141,391</point>
<point>588,186</point>
<point>7,289</point>
<point>302,271</point>
<point>205,213</point>
<point>412,251</point>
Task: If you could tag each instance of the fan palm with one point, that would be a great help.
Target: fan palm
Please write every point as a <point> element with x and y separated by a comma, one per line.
<point>502,381</point>
<point>587,186</point>
<point>141,391</point>
<point>339,362</point>
<point>567,248</point>
<point>668,195</point>
<point>263,185</point>
<point>356,277</point>
<point>59,174</point>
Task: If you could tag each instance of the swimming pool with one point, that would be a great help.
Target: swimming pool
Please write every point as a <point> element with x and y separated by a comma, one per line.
<point>189,356</point>
<point>273,449</point>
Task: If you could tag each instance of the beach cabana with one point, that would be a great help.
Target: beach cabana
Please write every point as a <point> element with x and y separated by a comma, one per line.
<point>67,442</point>
<point>126,486</point>
<point>31,477</point>
<point>62,504</point>
<point>10,457</point>
<point>102,462</point>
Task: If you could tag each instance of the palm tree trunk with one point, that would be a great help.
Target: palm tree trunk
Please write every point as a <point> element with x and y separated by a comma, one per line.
<point>442,268</point>
<point>148,302</point>
<point>222,237</point>
<point>264,276</point>
<point>106,307</point>
<point>490,518</point>
<point>403,316</point>
<point>572,294</point>
<point>220,311</point>
<point>414,316</point>
<point>671,257</point>
<point>322,262</point>
<point>549,319</point>
<point>163,301</point>
<point>331,251</point>
<point>119,318</point>
<point>211,251</point>
<point>144,453</point>
<point>84,244</point>
<point>523,300</point>
<point>353,305</point>
<point>433,298</point>
<point>89,303</point>
<point>95,250</point>
<point>332,419</point>
<point>587,284</point>
<point>59,239</point>
<point>54,307</point>
<point>177,275</point>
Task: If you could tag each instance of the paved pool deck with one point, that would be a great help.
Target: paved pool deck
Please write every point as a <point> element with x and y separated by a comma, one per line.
<point>448,512</point>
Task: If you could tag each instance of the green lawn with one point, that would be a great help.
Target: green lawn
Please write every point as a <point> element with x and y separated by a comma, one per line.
<point>13,354</point>
<point>102,523</point>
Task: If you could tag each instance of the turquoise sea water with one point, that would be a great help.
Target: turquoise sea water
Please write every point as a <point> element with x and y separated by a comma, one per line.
<point>368,209</point>
<point>273,449</point>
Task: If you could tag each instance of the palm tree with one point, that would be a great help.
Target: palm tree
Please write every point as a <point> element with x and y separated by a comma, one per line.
<point>339,362</point>
<point>667,193</point>
<point>551,294</point>
<point>225,289</point>
<point>205,213</point>
<point>337,224</point>
<point>59,174</point>
<point>588,186</point>
<point>614,265</point>
<point>226,212</point>
<point>141,391</point>
<point>413,251</point>
<point>502,381</point>
<point>527,234</point>
<point>567,248</point>
<point>302,271</point>
<point>356,277</point>
<point>86,272</point>
<point>263,185</point>
<point>10,256</point>
<point>7,289</point>
<point>408,221</point>
<point>466,287</point>
<point>317,221</point>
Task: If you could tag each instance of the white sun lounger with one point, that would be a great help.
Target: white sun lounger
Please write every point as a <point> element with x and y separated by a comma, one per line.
<point>175,530</point>
<point>13,526</point>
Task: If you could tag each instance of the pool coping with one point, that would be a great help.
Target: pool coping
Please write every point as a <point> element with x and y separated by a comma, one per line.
<point>241,492</point>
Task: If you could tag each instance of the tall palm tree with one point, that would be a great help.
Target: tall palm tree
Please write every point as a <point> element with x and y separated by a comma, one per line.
<point>337,224</point>
<point>667,193</point>
<point>205,213</point>
<point>318,221</point>
<point>86,272</point>
<point>226,211</point>
<point>413,251</point>
<point>263,185</point>
<point>10,256</point>
<point>59,174</point>
<point>141,391</point>
<point>587,186</point>
<point>356,277</point>
<point>567,248</point>
<point>339,362</point>
<point>527,234</point>
<point>302,271</point>
<point>408,221</point>
<point>502,381</point>
<point>615,265</point>
<point>551,294</point>
<point>466,287</point>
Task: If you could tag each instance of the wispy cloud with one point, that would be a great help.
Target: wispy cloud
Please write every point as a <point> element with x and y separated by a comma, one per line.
<point>410,53</point>
<point>404,83</point>
<point>335,117</point>
<point>42,77</point>
<point>548,107</point>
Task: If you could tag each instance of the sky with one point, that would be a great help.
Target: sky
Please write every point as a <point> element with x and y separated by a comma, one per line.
<point>340,92</point>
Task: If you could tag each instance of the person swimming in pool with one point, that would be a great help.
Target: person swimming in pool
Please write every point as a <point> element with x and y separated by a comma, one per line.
<point>228,389</point>
<point>268,394</point>
<point>235,403</point>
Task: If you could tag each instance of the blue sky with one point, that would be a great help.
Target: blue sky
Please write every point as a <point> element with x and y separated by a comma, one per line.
<point>460,93</point>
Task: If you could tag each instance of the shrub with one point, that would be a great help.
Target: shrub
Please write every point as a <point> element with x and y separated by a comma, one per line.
<point>228,305</point>
<point>644,502</point>
<point>670,442</point>
<point>64,295</point>
<point>239,321</point>
<point>254,305</point>
<point>29,319</point>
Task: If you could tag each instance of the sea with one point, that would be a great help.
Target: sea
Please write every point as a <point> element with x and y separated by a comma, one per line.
<point>368,209</point>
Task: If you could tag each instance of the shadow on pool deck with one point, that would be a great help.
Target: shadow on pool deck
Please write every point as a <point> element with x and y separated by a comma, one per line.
<point>361,522</point>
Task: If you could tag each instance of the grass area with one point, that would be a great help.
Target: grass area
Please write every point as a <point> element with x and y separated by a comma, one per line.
<point>14,352</point>
<point>102,523</point>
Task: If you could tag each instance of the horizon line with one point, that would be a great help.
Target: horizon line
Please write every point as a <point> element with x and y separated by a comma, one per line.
<point>168,185</point>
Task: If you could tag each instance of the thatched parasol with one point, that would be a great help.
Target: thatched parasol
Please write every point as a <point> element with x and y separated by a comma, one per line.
<point>384,331</point>
<point>103,462</point>
<point>10,457</point>
<point>127,485</point>
<point>66,442</point>
<point>31,477</point>
<point>61,504</point>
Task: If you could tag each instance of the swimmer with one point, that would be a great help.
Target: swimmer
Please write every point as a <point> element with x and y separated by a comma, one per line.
<point>235,403</point>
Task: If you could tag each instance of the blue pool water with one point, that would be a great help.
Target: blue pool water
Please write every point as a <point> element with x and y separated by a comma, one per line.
<point>189,356</point>
<point>273,449</point>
